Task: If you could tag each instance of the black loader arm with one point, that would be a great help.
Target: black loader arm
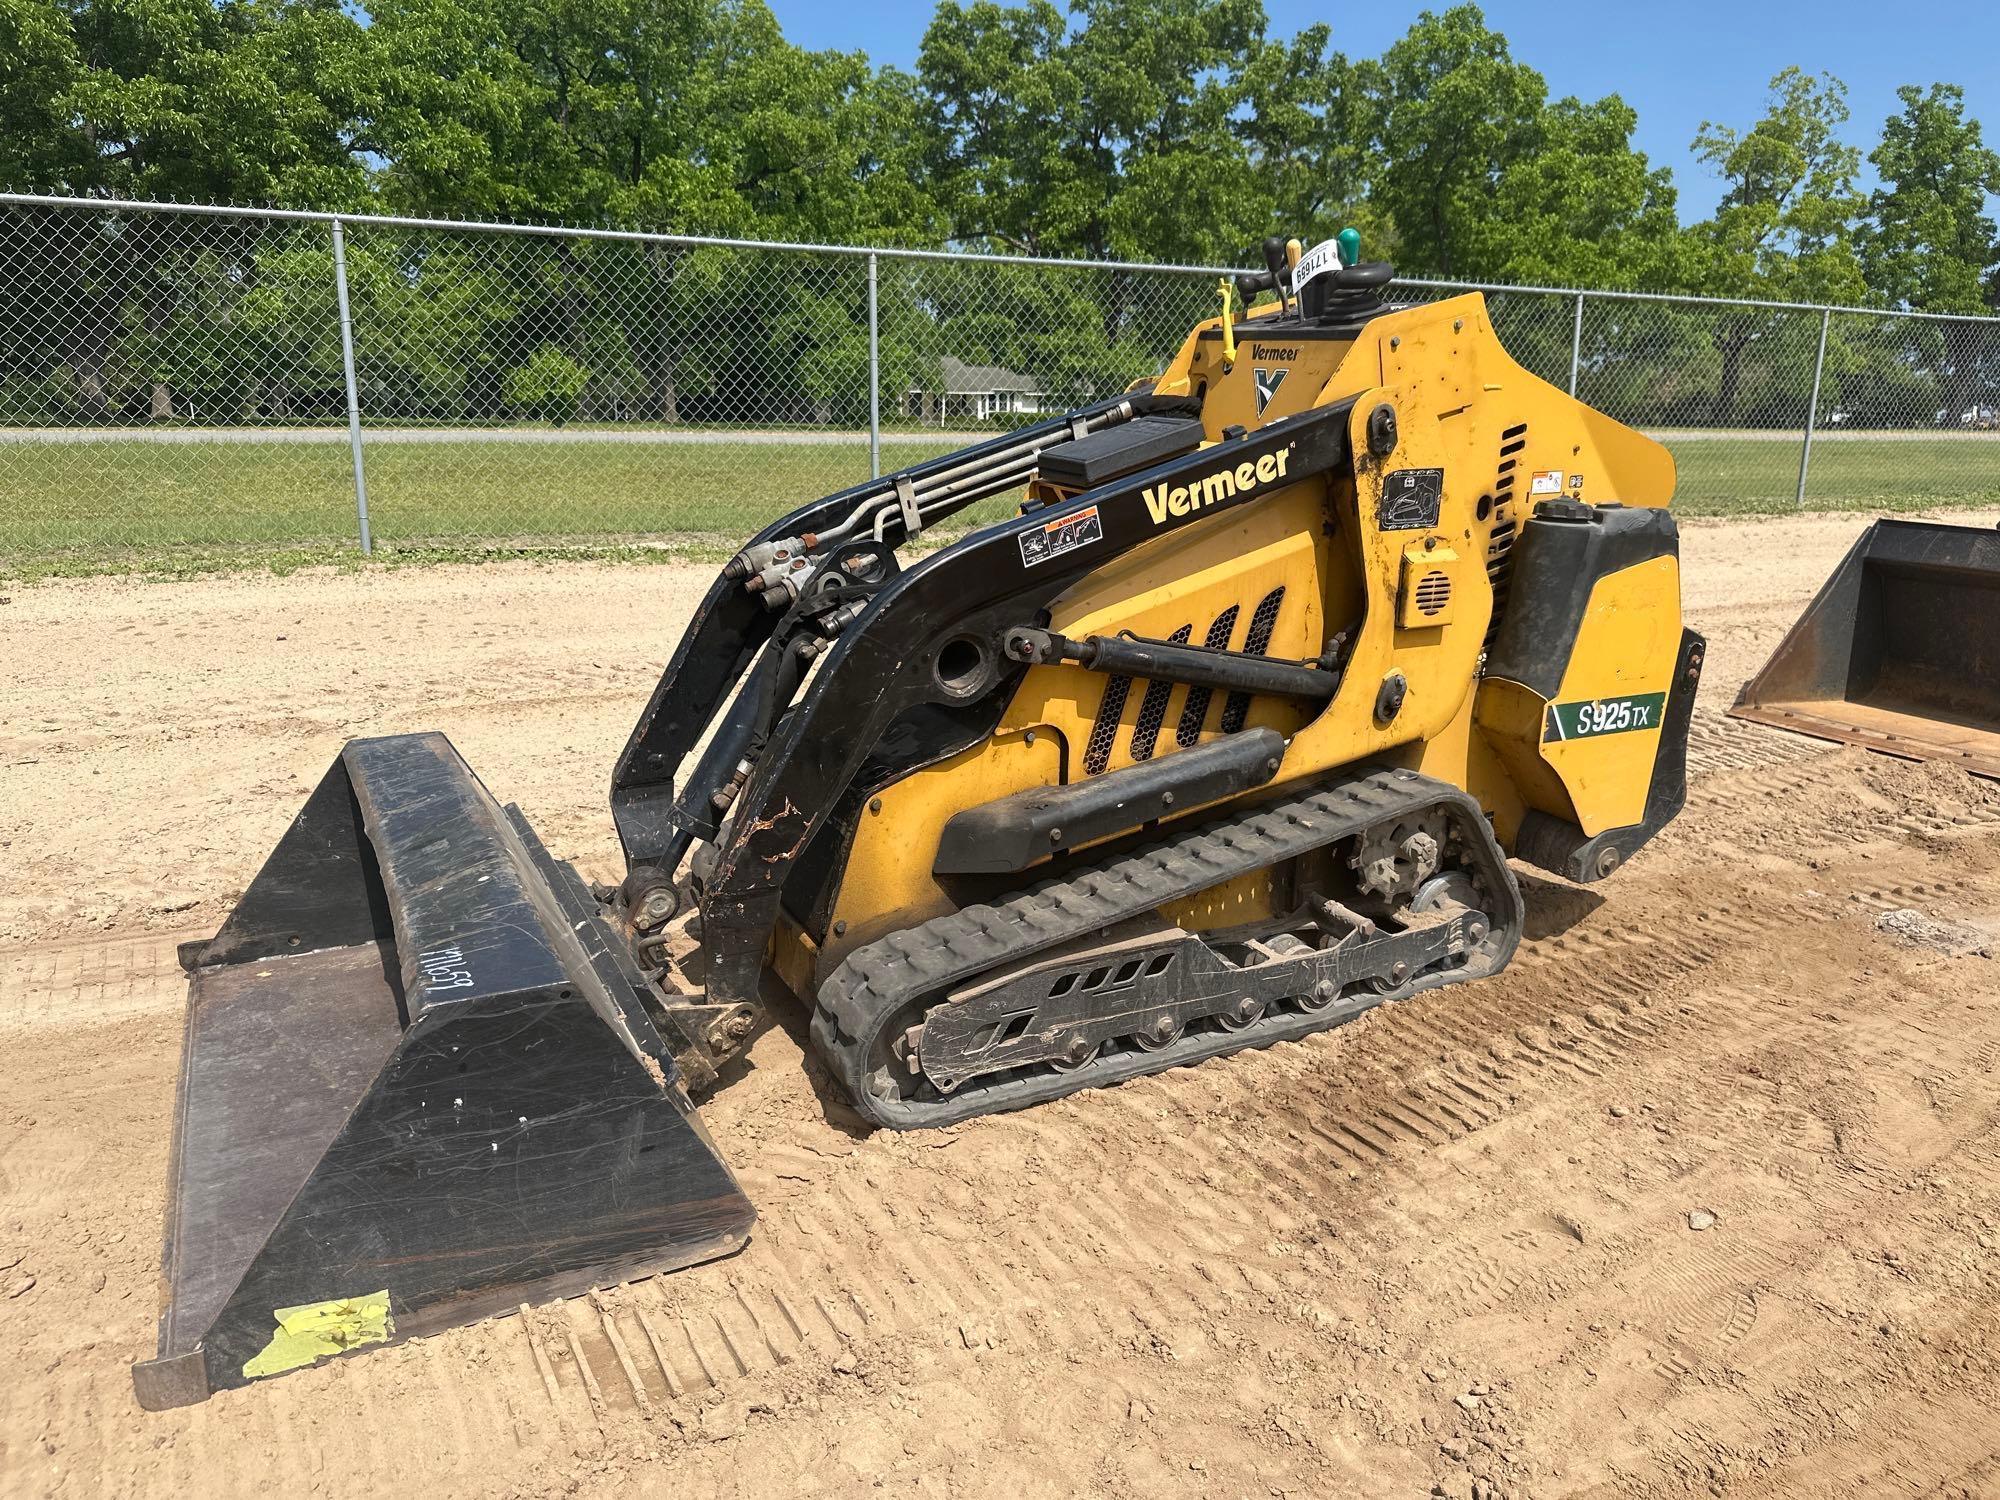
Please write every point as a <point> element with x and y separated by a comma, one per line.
<point>732,625</point>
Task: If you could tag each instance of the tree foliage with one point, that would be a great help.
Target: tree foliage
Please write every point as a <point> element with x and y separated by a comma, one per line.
<point>1785,227</point>
<point>1168,130</point>
<point>1109,132</point>
<point>1130,129</point>
<point>1928,242</point>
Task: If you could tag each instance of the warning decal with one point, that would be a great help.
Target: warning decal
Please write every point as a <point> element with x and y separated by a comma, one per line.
<point>1064,534</point>
<point>1411,498</point>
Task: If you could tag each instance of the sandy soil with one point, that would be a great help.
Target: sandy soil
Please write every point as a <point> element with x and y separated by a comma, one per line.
<point>1446,1250</point>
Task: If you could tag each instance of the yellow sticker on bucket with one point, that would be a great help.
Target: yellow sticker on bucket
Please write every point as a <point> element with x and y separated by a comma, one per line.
<point>318,1329</point>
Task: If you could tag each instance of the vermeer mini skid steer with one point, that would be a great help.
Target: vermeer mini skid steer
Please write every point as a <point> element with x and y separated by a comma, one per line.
<point>1225,738</point>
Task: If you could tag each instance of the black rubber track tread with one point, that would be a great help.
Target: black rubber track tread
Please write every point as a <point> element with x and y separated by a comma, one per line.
<point>879,979</point>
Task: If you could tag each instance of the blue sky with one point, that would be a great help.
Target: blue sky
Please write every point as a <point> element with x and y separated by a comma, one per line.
<point>1675,64</point>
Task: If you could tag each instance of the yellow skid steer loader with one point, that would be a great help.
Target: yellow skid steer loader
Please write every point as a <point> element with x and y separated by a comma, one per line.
<point>1226,737</point>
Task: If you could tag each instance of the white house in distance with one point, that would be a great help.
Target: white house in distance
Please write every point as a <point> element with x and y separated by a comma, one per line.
<point>975,391</point>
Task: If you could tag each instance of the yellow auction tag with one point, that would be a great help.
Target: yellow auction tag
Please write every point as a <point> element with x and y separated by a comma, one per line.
<point>318,1329</point>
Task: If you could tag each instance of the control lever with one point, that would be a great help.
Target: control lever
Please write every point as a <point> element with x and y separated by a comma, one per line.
<point>1274,263</point>
<point>1280,257</point>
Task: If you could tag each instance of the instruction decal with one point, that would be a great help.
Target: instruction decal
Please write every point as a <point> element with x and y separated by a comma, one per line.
<point>1598,716</point>
<point>1411,500</point>
<point>1064,534</point>
<point>1546,482</point>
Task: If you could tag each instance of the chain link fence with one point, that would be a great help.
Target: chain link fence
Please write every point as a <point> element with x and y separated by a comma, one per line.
<point>176,380</point>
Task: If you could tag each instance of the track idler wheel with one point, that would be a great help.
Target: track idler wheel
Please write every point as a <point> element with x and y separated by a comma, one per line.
<point>1248,1012</point>
<point>1080,1055</point>
<point>1320,996</point>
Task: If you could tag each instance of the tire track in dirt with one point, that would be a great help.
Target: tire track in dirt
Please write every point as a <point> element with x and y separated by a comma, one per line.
<point>88,980</point>
<point>1477,1054</point>
<point>1708,1388</point>
<point>1217,1193</point>
<point>1718,743</point>
<point>1700,1302</point>
<point>736,1329</point>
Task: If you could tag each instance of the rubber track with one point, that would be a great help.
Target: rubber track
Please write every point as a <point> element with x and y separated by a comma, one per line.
<point>880,980</point>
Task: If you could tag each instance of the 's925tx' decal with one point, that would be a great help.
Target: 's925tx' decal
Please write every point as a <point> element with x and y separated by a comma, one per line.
<point>1595,716</point>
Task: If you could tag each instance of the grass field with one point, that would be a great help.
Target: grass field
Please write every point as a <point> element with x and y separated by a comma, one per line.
<point>116,505</point>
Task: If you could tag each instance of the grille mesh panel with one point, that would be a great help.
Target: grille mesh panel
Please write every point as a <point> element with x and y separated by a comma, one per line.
<point>1153,707</point>
<point>1196,710</point>
<point>1263,623</point>
<point>1104,732</point>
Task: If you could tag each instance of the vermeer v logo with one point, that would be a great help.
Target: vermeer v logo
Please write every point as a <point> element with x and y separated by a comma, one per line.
<point>1268,382</point>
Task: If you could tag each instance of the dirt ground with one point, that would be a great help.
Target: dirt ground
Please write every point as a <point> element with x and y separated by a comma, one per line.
<point>1702,1195</point>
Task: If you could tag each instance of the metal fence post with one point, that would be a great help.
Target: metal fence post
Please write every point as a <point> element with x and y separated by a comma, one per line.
<point>874,379</point>
<point>1576,344</point>
<point>1812,406</point>
<point>353,391</point>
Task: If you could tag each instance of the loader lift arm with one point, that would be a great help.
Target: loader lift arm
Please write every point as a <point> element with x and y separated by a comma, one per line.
<point>732,624</point>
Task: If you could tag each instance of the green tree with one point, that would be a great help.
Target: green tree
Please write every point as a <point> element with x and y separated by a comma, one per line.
<point>1308,122</point>
<point>39,66</point>
<point>1785,227</point>
<point>1480,177</point>
<point>1455,111</point>
<point>238,101</point>
<point>243,101</point>
<point>548,385</point>
<point>1112,132</point>
<point>1928,242</point>
<point>696,117</point>
<point>1581,207</point>
<point>1784,231</point>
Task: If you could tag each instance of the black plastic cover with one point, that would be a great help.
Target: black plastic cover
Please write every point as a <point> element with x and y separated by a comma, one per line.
<point>1559,846</point>
<point>1116,451</point>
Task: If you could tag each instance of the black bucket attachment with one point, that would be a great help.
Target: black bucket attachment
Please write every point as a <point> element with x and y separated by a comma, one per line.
<point>1900,651</point>
<point>419,1085</point>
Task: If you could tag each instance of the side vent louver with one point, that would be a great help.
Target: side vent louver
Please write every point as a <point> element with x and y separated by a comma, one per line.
<point>1194,715</point>
<point>1433,592</point>
<point>1263,623</point>
<point>1196,711</point>
<point>1110,709</point>
<point>1153,707</point>
<point>1505,504</point>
